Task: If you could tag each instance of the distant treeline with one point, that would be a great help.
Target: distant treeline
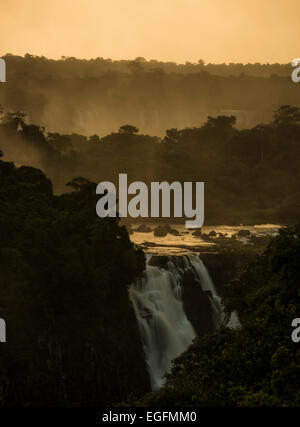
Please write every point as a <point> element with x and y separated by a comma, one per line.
<point>69,66</point>
<point>251,175</point>
<point>99,95</point>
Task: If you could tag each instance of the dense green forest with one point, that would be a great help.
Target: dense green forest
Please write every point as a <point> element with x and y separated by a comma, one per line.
<point>99,95</point>
<point>72,337</point>
<point>257,364</point>
<point>251,176</point>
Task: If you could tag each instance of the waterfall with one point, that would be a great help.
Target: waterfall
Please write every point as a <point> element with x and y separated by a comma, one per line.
<point>207,286</point>
<point>157,301</point>
<point>204,280</point>
<point>164,327</point>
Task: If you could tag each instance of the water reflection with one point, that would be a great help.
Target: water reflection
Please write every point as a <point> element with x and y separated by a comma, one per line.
<point>186,242</point>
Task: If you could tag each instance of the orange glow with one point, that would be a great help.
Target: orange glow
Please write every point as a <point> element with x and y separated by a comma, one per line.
<point>175,30</point>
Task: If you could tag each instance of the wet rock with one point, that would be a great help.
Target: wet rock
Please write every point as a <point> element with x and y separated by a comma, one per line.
<point>206,237</point>
<point>159,261</point>
<point>244,233</point>
<point>143,228</point>
<point>163,230</point>
<point>174,232</point>
<point>197,232</point>
<point>260,240</point>
<point>196,305</point>
<point>223,266</point>
<point>129,229</point>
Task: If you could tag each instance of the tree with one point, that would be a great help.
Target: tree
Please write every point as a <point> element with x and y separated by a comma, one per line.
<point>128,129</point>
<point>220,122</point>
<point>172,135</point>
<point>135,67</point>
<point>94,139</point>
<point>15,120</point>
<point>79,183</point>
<point>287,115</point>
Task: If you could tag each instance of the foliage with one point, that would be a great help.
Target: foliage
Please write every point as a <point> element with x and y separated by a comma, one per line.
<point>257,364</point>
<point>251,176</point>
<point>64,296</point>
<point>97,95</point>
<point>129,129</point>
<point>287,115</point>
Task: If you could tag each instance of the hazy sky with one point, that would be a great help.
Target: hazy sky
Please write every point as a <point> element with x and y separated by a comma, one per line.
<point>175,30</point>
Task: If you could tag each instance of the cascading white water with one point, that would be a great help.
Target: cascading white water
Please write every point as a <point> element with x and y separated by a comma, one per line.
<point>204,279</point>
<point>157,300</point>
<point>165,329</point>
<point>207,285</point>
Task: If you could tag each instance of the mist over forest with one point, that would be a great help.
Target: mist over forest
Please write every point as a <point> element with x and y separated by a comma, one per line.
<point>99,95</point>
<point>251,176</point>
<point>81,297</point>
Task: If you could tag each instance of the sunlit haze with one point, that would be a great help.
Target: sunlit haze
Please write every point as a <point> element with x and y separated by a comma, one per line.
<point>169,30</point>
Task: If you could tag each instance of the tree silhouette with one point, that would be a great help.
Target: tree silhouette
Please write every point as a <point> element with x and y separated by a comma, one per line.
<point>172,135</point>
<point>128,129</point>
<point>287,115</point>
<point>220,122</point>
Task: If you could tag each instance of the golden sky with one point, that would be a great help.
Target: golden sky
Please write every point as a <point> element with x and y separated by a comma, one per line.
<point>168,30</point>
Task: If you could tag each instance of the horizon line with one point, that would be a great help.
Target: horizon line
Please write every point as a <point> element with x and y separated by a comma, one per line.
<point>144,60</point>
